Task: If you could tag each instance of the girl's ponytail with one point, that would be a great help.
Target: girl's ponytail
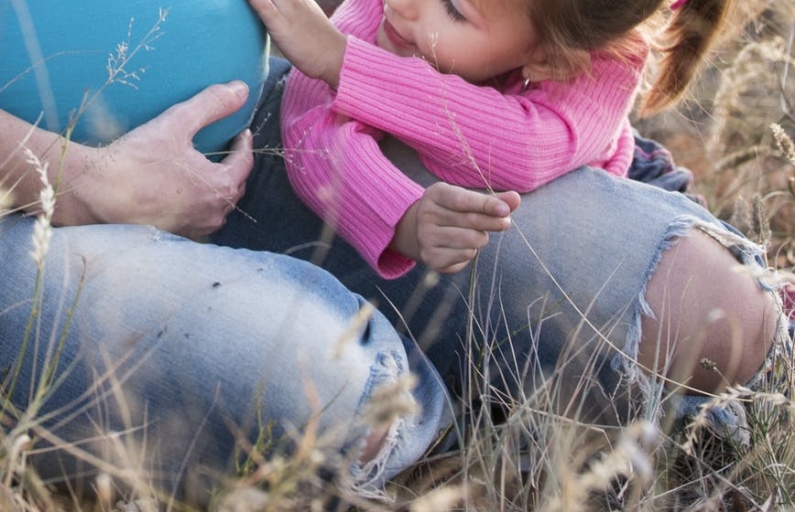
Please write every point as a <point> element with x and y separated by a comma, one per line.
<point>687,40</point>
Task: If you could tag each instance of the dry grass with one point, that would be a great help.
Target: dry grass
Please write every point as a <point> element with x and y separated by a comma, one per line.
<point>722,132</point>
<point>735,132</point>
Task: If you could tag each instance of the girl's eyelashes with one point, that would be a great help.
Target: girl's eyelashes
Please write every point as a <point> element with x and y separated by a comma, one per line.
<point>452,11</point>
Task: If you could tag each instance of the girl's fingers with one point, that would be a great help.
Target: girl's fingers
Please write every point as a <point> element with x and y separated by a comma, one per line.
<point>446,260</point>
<point>453,239</point>
<point>511,198</point>
<point>461,200</point>
<point>474,221</point>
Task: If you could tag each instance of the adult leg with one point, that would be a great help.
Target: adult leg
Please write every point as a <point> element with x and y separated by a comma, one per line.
<point>723,336</point>
<point>153,353</point>
<point>712,323</point>
<point>704,316</point>
<point>569,293</point>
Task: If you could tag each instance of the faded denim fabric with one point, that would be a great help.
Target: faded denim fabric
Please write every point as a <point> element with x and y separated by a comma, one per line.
<point>550,308</point>
<point>173,353</point>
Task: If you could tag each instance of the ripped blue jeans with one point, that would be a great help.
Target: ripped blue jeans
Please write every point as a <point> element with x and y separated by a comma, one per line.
<point>554,303</point>
<point>167,360</point>
<point>136,343</point>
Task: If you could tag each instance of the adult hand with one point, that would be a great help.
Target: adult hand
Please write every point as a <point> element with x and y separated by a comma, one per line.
<point>447,226</point>
<point>153,175</point>
<point>305,36</point>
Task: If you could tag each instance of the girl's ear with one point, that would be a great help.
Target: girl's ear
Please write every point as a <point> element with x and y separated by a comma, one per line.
<point>537,67</point>
<point>543,65</point>
<point>537,72</point>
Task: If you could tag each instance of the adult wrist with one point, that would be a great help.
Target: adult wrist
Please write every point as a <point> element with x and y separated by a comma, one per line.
<point>75,176</point>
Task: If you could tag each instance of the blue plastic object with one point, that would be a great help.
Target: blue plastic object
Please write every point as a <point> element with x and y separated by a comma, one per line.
<point>107,66</point>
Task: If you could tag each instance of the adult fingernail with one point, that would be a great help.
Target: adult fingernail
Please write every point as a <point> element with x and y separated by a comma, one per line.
<point>239,88</point>
<point>503,210</point>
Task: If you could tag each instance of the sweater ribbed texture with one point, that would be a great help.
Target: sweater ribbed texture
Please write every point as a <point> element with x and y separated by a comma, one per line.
<point>496,136</point>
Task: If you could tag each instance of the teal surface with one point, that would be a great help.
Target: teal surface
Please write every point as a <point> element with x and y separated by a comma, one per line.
<point>107,66</point>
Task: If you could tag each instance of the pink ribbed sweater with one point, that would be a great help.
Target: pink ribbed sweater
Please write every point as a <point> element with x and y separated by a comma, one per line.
<point>476,136</point>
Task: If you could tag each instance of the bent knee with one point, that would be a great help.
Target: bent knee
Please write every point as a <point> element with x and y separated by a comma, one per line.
<point>713,322</point>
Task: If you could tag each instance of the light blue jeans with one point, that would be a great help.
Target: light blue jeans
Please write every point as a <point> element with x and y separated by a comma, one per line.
<point>189,347</point>
<point>169,355</point>
<point>551,307</point>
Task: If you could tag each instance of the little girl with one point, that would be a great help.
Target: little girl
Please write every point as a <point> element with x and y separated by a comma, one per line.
<point>504,95</point>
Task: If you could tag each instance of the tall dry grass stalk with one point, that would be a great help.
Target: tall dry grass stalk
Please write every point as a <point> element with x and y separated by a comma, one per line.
<point>722,131</point>
<point>735,132</point>
<point>42,229</point>
<point>6,201</point>
<point>21,489</point>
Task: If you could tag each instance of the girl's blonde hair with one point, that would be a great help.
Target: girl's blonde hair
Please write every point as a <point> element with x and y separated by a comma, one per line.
<point>571,29</point>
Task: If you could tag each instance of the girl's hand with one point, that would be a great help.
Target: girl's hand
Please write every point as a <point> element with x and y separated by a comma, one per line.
<point>447,226</point>
<point>305,36</point>
<point>153,175</point>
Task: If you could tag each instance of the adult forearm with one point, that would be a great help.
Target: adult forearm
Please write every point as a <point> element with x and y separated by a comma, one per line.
<point>150,175</point>
<point>64,163</point>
